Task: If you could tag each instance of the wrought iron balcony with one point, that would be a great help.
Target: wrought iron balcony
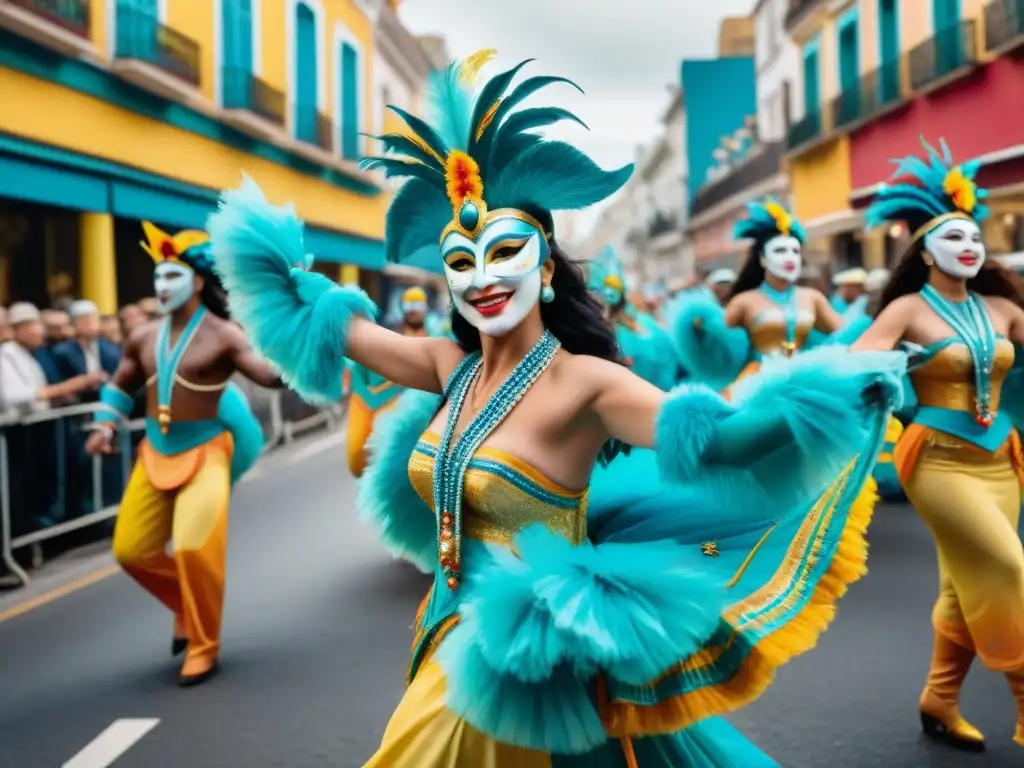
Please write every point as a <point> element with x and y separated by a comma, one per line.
<point>155,56</point>
<point>251,104</point>
<point>948,51</point>
<point>1004,25</point>
<point>63,25</point>
<point>760,166</point>
<point>804,130</point>
<point>875,91</point>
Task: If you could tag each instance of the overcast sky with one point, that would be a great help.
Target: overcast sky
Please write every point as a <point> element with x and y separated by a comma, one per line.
<point>623,53</point>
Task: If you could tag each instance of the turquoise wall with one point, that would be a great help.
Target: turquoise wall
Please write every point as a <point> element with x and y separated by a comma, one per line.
<point>719,95</point>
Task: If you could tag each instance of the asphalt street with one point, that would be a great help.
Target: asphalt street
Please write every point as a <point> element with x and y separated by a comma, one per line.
<point>317,632</point>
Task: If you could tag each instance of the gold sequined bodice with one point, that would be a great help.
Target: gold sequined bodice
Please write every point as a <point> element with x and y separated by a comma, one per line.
<point>769,330</point>
<point>503,495</point>
<point>947,380</point>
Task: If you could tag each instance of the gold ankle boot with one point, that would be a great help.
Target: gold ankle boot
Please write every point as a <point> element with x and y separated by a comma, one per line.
<point>1016,681</point>
<point>940,715</point>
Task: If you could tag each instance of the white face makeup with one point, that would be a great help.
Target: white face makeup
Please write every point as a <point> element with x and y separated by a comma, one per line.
<point>173,285</point>
<point>783,258</point>
<point>957,248</point>
<point>495,280</point>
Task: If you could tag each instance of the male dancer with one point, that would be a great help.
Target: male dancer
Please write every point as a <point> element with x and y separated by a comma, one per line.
<point>371,393</point>
<point>200,438</point>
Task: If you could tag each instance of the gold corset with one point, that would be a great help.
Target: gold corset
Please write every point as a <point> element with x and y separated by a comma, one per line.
<point>503,495</point>
<point>769,331</point>
<point>947,380</point>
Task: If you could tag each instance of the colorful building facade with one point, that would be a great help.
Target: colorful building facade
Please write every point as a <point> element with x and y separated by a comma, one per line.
<point>130,110</point>
<point>879,74</point>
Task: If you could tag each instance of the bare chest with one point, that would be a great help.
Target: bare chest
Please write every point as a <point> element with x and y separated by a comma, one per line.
<point>203,361</point>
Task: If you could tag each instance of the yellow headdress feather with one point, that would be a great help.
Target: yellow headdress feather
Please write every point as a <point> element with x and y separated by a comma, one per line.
<point>469,70</point>
<point>782,218</point>
<point>164,247</point>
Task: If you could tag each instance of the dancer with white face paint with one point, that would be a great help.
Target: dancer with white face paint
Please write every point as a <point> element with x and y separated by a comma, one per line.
<point>201,436</point>
<point>523,655</point>
<point>766,313</point>
<point>960,460</point>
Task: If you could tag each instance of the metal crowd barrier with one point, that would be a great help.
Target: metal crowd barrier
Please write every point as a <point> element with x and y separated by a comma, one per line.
<point>280,412</point>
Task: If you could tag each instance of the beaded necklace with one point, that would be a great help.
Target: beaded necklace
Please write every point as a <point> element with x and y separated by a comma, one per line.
<point>450,466</point>
<point>787,300</point>
<point>971,323</point>
<point>167,362</point>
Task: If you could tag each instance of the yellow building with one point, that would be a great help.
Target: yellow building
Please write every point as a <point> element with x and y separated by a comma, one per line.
<point>736,36</point>
<point>116,111</point>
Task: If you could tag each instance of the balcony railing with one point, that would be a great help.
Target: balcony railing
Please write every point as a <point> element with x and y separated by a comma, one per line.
<point>242,90</point>
<point>804,130</point>
<point>950,50</point>
<point>72,15</point>
<point>313,127</point>
<point>759,167</point>
<point>875,91</point>
<point>1004,24</point>
<point>141,37</point>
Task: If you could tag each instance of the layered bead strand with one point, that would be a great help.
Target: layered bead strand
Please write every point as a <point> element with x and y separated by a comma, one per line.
<point>451,462</point>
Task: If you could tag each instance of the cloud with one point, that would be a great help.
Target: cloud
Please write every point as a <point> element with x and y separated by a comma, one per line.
<point>624,55</point>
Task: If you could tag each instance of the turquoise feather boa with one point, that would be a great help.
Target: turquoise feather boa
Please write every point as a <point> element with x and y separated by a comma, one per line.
<point>295,318</point>
<point>712,353</point>
<point>827,401</point>
<point>386,498</point>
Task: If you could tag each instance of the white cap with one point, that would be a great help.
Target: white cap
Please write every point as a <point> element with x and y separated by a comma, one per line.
<point>720,276</point>
<point>82,308</point>
<point>876,279</point>
<point>855,276</point>
<point>23,312</point>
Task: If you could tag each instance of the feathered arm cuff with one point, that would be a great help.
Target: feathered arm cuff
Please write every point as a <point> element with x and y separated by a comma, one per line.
<point>790,430</point>
<point>709,350</point>
<point>296,319</point>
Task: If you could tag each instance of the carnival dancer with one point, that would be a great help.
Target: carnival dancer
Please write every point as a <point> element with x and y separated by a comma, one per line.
<point>645,346</point>
<point>766,314</point>
<point>960,460</point>
<point>556,608</point>
<point>371,393</point>
<point>201,437</point>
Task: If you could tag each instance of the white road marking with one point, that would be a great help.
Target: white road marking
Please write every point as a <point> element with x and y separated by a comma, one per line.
<point>330,442</point>
<point>112,743</point>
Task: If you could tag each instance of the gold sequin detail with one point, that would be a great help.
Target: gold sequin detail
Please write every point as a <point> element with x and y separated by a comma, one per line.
<point>709,548</point>
<point>495,510</point>
<point>769,336</point>
<point>947,380</point>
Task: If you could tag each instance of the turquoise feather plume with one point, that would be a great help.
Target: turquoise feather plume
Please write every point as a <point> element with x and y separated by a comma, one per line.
<point>551,615</point>
<point>245,429</point>
<point>517,168</point>
<point>386,498</point>
<point>828,402</point>
<point>295,318</point>
<point>709,351</point>
<point>761,226</point>
<point>918,192</point>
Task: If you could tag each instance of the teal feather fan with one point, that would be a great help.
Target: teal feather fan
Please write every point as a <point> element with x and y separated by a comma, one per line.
<point>478,145</point>
<point>926,188</point>
<point>766,220</point>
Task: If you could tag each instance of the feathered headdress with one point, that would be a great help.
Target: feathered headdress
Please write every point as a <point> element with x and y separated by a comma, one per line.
<point>928,192</point>
<point>766,220</point>
<point>476,160</point>
<point>190,247</point>
<point>606,276</point>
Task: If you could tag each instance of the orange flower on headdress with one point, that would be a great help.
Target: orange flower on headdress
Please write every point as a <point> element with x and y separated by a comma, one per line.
<point>462,175</point>
<point>961,190</point>
<point>782,218</point>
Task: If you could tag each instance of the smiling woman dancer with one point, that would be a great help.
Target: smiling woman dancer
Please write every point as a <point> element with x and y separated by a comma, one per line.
<point>574,621</point>
<point>960,459</point>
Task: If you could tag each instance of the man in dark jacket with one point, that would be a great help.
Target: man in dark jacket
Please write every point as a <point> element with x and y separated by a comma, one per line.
<point>89,351</point>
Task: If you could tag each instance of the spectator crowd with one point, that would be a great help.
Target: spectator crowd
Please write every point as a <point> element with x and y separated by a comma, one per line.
<point>50,359</point>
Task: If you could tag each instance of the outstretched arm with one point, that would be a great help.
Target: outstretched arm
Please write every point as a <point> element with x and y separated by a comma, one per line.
<point>115,397</point>
<point>247,362</point>
<point>412,362</point>
<point>888,329</point>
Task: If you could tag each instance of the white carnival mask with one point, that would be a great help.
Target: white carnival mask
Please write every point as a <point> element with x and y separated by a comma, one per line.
<point>173,283</point>
<point>783,258</point>
<point>495,278</point>
<point>957,248</point>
